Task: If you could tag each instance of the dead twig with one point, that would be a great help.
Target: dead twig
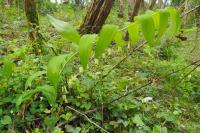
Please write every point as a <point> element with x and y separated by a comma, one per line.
<point>193,9</point>
<point>88,119</point>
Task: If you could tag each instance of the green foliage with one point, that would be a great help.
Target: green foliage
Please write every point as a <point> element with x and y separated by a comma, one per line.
<point>119,39</point>
<point>85,48</point>
<point>48,91</point>
<point>55,66</point>
<point>148,28</point>
<point>106,36</point>
<point>175,22</point>
<point>133,30</point>
<point>8,69</point>
<point>32,77</point>
<point>65,29</point>
<point>163,21</point>
<point>30,104</point>
<point>6,120</point>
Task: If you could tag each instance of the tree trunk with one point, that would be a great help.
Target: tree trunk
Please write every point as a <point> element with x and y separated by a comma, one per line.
<point>135,10</point>
<point>121,8</point>
<point>186,8</point>
<point>33,23</point>
<point>130,7</point>
<point>96,16</point>
<point>9,2</point>
<point>153,3</point>
<point>160,3</point>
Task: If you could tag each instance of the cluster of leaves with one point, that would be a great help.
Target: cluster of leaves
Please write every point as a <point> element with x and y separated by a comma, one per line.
<point>64,87</point>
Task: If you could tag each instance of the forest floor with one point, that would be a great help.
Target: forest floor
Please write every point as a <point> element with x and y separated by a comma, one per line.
<point>174,99</point>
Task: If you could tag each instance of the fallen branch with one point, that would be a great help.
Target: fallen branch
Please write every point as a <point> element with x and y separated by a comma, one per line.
<point>193,9</point>
<point>185,76</point>
<point>83,114</point>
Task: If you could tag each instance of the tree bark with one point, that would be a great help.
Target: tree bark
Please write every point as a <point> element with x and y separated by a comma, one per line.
<point>135,10</point>
<point>153,3</point>
<point>33,23</point>
<point>9,2</point>
<point>121,8</point>
<point>160,3</point>
<point>96,16</point>
<point>32,18</point>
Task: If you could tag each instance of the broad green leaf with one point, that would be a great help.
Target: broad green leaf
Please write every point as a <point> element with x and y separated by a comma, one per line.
<point>57,130</point>
<point>8,69</point>
<point>27,95</point>
<point>66,116</point>
<point>164,130</point>
<point>138,120</point>
<point>72,129</point>
<point>148,28</point>
<point>32,77</point>
<point>6,120</point>
<point>49,92</point>
<point>54,68</point>
<point>133,30</point>
<point>155,16</point>
<point>119,38</point>
<point>106,36</point>
<point>85,48</point>
<point>156,19</point>
<point>175,21</point>
<point>159,129</point>
<point>163,22</point>
<point>65,29</point>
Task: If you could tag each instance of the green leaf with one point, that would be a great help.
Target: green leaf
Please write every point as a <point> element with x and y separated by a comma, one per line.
<point>50,121</point>
<point>49,92</point>
<point>175,21</point>
<point>6,120</point>
<point>133,30</point>
<point>32,77</point>
<point>164,130</point>
<point>138,120</point>
<point>119,38</point>
<point>8,69</point>
<point>57,130</point>
<point>105,38</point>
<point>65,29</point>
<point>85,48</point>
<point>72,129</point>
<point>66,116</point>
<point>163,22</point>
<point>27,95</point>
<point>148,28</point>
<point>54,68</point>
<point>155,16</point>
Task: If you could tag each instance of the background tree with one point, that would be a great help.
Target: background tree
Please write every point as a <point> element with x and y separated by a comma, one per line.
<point>33,23</point>
<point>96,16</point>
<point>122,4</point>
<point>152,4</point>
